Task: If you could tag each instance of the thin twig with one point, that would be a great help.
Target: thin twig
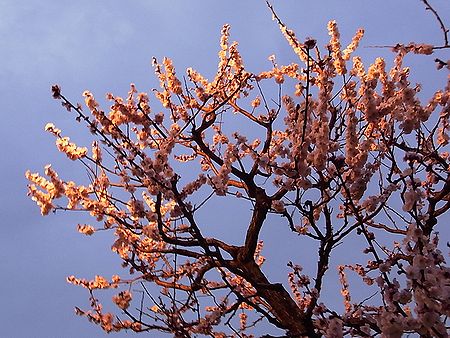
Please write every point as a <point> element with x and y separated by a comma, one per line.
<point>438,18</point>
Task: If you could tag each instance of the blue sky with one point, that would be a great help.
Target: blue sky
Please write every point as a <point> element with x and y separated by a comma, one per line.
<point>103,46</point>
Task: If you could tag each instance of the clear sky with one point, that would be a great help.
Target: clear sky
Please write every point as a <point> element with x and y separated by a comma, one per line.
<point>103,46</point>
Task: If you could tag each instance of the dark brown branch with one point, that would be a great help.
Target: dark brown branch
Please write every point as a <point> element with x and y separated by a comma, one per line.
<point>260,211</point>
<point>438,18</point>
<point>282,305</point>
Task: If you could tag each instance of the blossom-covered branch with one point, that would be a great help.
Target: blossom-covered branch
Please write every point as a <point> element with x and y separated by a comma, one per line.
<point>349,154</point>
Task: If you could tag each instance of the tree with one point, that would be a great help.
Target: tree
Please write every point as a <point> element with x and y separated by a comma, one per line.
<point>352,154</point>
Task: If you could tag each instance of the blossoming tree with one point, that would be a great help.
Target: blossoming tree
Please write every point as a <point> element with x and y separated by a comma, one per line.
<point>351,153</point>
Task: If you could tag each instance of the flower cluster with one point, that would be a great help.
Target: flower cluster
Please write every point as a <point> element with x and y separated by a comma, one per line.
<point>52,189</point>
<point>98,282</point>
<point>123,299</point>
<point>86,229</point>
<point>335,47</point>
<point>70,149</point>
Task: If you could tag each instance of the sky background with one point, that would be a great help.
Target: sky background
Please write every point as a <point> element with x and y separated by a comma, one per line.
<point>103,46</point>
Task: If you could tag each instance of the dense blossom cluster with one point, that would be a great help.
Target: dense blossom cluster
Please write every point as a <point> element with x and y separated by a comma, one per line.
<point>353,153</point>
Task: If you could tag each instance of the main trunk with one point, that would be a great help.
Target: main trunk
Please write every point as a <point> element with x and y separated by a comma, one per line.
<point>283,307</point>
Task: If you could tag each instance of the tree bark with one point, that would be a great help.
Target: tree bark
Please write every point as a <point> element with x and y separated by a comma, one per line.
<point>283,307</point>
